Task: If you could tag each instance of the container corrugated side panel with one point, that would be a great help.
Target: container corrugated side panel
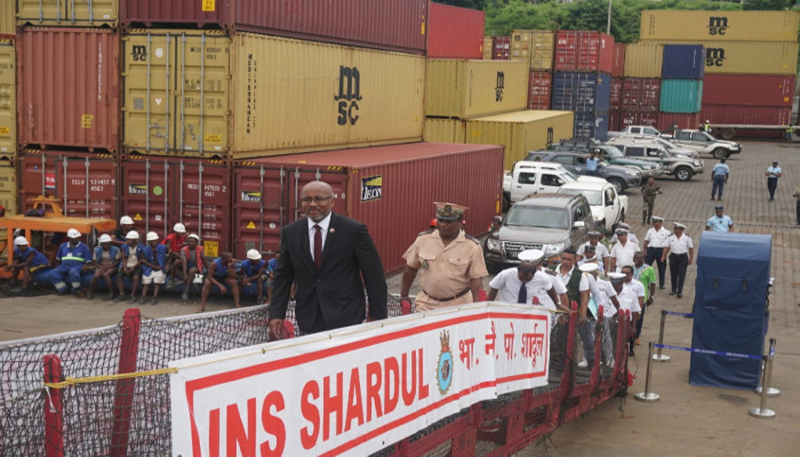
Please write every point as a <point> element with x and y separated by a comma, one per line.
<point>520,132</point>
<point>615,94</point>
<point>488,48</point>
<point>668,121</point>
<point>502,48</point>
<point>297,96</point>
<point>534,46</point>
<point>158,192</point>
<point>748,57</point>
<point>8,186</point>
<point>750,90</point>
<point>68,88</point>
<point>391,189</point>
<point>746,115</point>
<point>591,125</point>
<point>775,26</point>
<point>627,118</point>
<point>681,96</point>
<point>455,33</point>
<point>584,51</point>
<point>683,61</point>
<point>8,17</point>
<point>84,183</point>
<point>438,130</point>
<point>68,13</point>
<point>614,120</point>
<point>643,60</point>
<point>473,88</point>
<point>581,91</point>
<point>8,97</point>
<point>618,66</point>
<point>641,94</point>
<point>540,90</point>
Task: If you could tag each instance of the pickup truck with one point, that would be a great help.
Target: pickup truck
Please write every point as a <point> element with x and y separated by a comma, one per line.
<point>636,130</point>
<point>621,177</point>
<point>610,154</point>
<point>682,168</point>
<point>700,141</point>
<point>533,177</point>
<point>608,207</point>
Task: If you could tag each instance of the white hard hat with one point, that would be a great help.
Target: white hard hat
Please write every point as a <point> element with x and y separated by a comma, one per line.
<point>126,220</point>
<point>180,228</point>
<point>72,233</point>
<point>194,236</point>
<point>20,241</point>
<point>253,254</point>
<point>104,238</point>
<point>132,235</point>
<point>152,236</point>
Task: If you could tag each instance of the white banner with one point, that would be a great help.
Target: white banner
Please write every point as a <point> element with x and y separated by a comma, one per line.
<point>356,390</point>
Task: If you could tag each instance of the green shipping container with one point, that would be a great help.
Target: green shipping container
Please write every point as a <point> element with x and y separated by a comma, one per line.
<point>681,96</point>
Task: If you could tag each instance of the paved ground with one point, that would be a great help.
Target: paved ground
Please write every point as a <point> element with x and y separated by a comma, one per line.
<point>691,421</point>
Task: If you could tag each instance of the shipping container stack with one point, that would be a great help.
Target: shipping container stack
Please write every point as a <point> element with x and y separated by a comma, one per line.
<point>681,86</point>
<point>536,48</point>
<point>8,114</point>
<point>641,86</point>
<point>582,80</point>
<point>750,62</point>
<point>615,93</point>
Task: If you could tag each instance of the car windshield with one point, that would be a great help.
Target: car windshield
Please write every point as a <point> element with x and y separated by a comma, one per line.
<point>595,197</point>
<point>569,175</point>
<point>614,152</point>
<point>537,216</point>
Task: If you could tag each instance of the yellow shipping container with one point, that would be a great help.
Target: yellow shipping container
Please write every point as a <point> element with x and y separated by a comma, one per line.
<point>8,16</point>
<point>488,47</point>
<point>8,97</point>
<point>471,88</point>
<point>285,96</point>
<point>720,25</point>
<point>746,57</point>
<point>643,60</point>
<point>520,132</point>
<point>8,186</point>
<point>439,130</point>
<point>535,47</point>
<point>68,13</point>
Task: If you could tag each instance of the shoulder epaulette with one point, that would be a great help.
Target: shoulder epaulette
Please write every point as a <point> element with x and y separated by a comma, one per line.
<point>472,238</point>
<point>426,232</point>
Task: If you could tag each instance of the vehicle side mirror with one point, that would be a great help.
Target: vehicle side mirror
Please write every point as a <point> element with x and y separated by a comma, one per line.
<point>578,225</point>
<point>497,221</point>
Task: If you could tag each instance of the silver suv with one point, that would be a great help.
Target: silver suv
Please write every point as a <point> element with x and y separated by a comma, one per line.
<point>700,141</point>
<point>683,168</point>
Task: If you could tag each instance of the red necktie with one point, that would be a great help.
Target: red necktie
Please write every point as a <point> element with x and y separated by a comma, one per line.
<point>317,245</point>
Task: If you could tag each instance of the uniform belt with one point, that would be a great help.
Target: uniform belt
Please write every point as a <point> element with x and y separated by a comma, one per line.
<point>655,247</point>
<point>678,254</point>
<point>460,294</point>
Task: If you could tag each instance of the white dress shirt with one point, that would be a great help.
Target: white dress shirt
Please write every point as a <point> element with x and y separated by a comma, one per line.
<point>657,238</point>
<point>558,287</point>
<point>323,225</point>
<point>624,254</point>
<point>507,284</point>
<point>680,245</point>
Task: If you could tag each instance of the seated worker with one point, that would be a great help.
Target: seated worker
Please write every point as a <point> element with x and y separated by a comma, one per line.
<point>253,271</point>
<point>105,264</point>
<point>154,267</point>
<point>174,243</point>
<point>132,256</point>
<point>26,259</point>
<point>120,234</point>
<point>221,272</point>
<point>192,262</point>
<point>71,257</point>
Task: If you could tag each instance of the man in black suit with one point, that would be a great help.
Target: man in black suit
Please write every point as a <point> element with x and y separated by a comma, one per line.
<point>326,255</point>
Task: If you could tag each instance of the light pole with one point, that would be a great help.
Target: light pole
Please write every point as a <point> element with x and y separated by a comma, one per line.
<point>608,27</point>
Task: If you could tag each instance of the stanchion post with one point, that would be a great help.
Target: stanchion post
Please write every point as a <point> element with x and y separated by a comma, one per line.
<point>659,357</point>
<point>647,396</point>
<point>768,364</point>
<point>762,412</point>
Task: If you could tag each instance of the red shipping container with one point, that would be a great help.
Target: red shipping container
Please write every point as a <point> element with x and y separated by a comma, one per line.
<point>68,88</point>
<point>641,94</point>
<point>746,115</point>
<point>158,192</point>
<point>750,90</point>
<point>618,65</point>
<point>502,48</point>
<point>539,90</point>
<point>391,189</point>
<point>615,94</point>
<point>583,50</point>
<point>627,118</point>
<point>455,33</point>
<point>668,121</point>
<point>614,121</point>
<point>397,25</point>
<point>83,182</point>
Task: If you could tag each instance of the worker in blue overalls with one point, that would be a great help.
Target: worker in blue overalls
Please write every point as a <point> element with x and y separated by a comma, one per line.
<point>71,256</point>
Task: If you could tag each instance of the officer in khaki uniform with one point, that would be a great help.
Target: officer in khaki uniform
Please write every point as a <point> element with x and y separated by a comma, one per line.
<point>449,261</point>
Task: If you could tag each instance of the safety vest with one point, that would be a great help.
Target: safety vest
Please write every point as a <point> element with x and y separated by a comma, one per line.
<point>198,256</point>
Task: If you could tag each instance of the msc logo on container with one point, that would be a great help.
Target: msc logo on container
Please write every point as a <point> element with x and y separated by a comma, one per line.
<point>137,189</point>
<point>252,197</point>
<point>371,188</point>
<point>349,95</point>
<point>715,57</point>
<point>499,86</point>
<point>717,25</point>
<point>139,53</point>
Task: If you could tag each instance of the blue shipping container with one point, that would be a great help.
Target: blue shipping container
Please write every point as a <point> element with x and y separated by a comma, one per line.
<point>591,125</point>
<point>684,61</point>
<point>581,92</point>
<point>681,96</point>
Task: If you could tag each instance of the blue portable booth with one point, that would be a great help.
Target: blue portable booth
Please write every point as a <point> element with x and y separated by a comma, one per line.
<point>730,308</point>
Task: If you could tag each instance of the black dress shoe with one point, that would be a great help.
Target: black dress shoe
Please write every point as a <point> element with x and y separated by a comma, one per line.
<point>672,293</point>
<point>680,295</point>
<point>661,287</point>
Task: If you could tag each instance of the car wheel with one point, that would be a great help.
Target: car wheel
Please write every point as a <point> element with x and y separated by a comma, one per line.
<point>683,174</point>
<point>618,184</point>
<point>720,153</point>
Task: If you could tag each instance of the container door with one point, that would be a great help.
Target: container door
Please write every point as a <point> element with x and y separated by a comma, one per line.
<point>38,12</point>
<point>93,13</point>
<point>8,97</point>
<point>8,186</point>
<point>148,85</point>
<point>147,192</point>
<point>204,202</point>
<point>202,94</point>
<point>260,207</point>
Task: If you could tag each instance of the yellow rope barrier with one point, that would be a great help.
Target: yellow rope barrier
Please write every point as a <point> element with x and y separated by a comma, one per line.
<point>92,379</point>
